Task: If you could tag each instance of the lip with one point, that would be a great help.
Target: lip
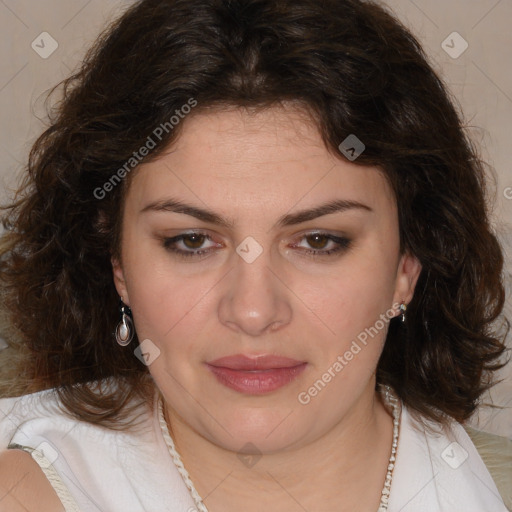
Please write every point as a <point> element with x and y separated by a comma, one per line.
<point>256,375</point>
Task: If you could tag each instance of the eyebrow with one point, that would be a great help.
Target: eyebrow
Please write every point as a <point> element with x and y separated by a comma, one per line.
<point>290,219</point>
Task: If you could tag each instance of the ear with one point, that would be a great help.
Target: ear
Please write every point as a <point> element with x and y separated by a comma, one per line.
<point>119,280</point>
<point>408,272</point>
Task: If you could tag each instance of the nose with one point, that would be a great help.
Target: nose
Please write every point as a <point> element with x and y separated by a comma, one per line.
<point>255,301</point>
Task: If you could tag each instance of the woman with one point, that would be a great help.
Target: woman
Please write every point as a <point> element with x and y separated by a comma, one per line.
<point>251,268</point>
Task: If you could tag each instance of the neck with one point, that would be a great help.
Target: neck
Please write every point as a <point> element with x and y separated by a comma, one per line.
<point>343,470</point>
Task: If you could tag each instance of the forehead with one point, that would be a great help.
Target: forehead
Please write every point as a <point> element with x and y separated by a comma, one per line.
<point>273,155</point>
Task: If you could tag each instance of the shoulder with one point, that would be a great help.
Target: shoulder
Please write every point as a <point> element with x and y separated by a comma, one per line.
<point>24,486</point>
<point>16,412</point>
<point>62,450</point>
<point>496,452</point>
<point>430,451</point>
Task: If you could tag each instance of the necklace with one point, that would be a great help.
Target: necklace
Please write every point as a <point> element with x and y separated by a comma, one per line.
<point>389,398</point>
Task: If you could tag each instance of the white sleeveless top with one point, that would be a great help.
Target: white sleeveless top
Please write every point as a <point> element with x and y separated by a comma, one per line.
<point>94,469</point>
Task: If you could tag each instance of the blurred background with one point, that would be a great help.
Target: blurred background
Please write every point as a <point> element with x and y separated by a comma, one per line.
<point>468,42</point>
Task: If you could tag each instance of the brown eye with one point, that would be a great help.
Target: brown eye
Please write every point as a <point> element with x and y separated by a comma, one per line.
<point>190,245</point>
<point>317,240</point>
<point>193,241</point>
<point>323,244</point>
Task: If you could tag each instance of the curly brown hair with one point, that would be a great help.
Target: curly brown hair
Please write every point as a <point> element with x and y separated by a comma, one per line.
<point>358,71</point>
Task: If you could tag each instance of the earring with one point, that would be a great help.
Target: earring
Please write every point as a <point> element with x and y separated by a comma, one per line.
<point>124,329</point>
<point>403,309</point>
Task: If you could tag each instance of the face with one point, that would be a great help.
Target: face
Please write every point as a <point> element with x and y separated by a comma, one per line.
<point>263,270</point>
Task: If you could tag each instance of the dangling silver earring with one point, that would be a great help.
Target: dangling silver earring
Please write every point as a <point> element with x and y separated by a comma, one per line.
<point>124,329</point>
<point>403,309</point>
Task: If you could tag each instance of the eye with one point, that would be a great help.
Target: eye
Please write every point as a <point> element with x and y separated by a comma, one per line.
<point>192,244</point>
<point>189,245</point>
<point>323,244</point>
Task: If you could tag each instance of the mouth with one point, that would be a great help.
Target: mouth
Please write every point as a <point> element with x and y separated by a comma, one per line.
<point>255,375</point>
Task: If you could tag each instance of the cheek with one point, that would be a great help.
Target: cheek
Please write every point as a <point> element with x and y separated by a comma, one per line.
<point>354,295</point>
<point>169,308</point>
<point>157,296</point>
<point>162,304</point>
<point>356,309</point>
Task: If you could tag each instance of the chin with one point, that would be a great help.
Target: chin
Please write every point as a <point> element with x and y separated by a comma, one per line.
<point>269,430</point>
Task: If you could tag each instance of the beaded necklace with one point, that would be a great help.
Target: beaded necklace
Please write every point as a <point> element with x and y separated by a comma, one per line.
<point>390,399</point>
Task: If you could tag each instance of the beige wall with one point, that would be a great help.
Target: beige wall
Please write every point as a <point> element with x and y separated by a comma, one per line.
<point>480,78</point>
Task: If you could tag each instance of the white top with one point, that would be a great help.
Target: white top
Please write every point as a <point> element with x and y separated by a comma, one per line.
<point>94,469</point>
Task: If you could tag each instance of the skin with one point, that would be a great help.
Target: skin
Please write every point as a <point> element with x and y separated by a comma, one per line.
<point>23,485</point>
<point>252,169</point>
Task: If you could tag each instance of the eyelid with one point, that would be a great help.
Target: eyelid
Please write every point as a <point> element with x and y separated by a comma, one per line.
<point>178,238</point>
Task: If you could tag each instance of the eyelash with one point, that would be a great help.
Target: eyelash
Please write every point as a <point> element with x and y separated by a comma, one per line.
<point>343,244</point>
